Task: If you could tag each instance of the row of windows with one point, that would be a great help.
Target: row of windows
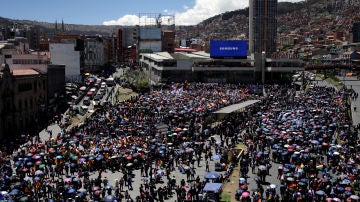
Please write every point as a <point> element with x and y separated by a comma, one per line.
<point>29,61</point>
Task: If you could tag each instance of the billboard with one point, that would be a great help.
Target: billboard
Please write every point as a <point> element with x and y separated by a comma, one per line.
<point>228,48</point>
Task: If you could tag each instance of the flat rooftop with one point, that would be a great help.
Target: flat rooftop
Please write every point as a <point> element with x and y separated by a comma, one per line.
<point>24,72</point>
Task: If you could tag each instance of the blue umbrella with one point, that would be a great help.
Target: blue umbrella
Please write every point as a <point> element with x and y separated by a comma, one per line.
<point>320,192</point>
<point>17,164</point>
<point>211,175</point>
<point>14,192</point>
<point>345,181</point>
<point>71,191</point>
<point>216,157</point>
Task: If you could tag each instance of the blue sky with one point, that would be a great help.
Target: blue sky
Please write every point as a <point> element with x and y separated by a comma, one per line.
<point>116,12</point>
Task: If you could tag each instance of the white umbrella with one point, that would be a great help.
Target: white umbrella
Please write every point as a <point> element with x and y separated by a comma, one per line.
<point>39,172</point>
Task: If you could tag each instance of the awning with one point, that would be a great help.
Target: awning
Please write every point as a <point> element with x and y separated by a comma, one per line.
<point>235,107</point>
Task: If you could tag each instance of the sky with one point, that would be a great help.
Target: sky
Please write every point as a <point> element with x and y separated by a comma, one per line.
<point>117,12</point>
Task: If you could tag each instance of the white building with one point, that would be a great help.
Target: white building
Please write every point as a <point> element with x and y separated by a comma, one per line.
<point>64,53</point>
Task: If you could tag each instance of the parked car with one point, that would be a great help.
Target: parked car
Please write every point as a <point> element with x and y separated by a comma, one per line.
<point>86,101</point>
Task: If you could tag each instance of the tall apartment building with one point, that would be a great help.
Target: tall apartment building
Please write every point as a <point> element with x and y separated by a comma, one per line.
<point>356,32</point>
<point>262,26</point>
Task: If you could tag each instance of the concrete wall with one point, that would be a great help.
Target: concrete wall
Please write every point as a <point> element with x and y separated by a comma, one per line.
<point>155,46</point>
<point>65,54</point>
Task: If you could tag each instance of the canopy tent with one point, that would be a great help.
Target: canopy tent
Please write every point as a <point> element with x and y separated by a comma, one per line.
<point>213,187</point>
<point>236,107</point>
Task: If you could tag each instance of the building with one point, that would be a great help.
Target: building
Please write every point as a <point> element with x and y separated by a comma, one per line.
<point>356,32</point>
<point>16,53</point>
<point>65,53</point>
<point>94,57</point>
<point>150,39</point>
<point>110,49</point>
<point>56,80</point>
<point>198,66</point>
<point>262,33</point>
<point>127,44</point>
<point>168,41</point>
<point>262,26</point>
<point>23,100</point>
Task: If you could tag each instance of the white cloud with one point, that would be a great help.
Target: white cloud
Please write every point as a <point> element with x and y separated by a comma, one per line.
<point>125,20</point>
<point>202,10</point>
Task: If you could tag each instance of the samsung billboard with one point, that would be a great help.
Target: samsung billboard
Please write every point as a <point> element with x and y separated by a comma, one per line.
<point>228,49</point>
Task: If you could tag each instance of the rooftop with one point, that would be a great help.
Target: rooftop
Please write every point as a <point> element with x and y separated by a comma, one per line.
<point>24,72</point>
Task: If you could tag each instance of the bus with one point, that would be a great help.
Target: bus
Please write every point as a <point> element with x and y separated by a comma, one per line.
<point>110,81</point>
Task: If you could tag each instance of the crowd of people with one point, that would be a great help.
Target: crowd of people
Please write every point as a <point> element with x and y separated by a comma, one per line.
<point>307,136</point>
<point>125,137</point>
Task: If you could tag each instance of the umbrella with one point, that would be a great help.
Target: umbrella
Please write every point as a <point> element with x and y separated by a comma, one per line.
<point>345,181</point>
<point>39,172</point>
<point>273,186</point>
<point>82,190</point>
<point>14,192</point>
<point>23,199</point>
<point>211,175</point>
<point>129,164</point>
<point>27,178</point>
<point>109,187</point>
<point>245,194</point>
<point>109,198</point>
<point>290,179</point>
<point>67,179</point>
<point>320,192</point>
<point>262,167</point>
<point>71,191</point>
<point>216,157</point>
<point>354,197</point>
<point>59,157</point>
<point>17,164</point>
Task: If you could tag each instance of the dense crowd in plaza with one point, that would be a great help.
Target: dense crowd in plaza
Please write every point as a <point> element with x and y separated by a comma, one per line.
<point>309,137</point>
<point>124,137</point>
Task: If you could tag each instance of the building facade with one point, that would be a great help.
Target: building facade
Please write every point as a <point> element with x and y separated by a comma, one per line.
<point>262,26</point>
<point>23,100</point>
<point>16,53</point>
<point>94,57</point>
<point>356,32</point>
<point>65,53</point>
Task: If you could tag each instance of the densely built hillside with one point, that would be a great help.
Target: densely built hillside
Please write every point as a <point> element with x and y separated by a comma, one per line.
<point>304,17</point>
